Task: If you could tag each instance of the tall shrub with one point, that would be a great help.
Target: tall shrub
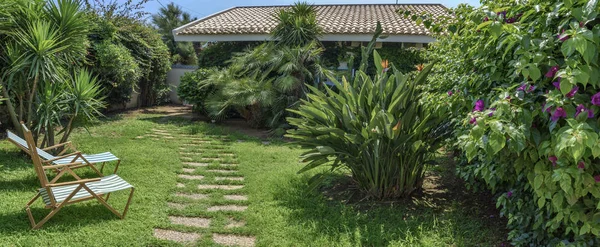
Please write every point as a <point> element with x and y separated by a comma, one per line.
<point>375,127</point>
<point>523,79</point>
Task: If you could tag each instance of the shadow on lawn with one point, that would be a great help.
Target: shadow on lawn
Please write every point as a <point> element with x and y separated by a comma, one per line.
<point>69,218</point>
<point>455,219</point>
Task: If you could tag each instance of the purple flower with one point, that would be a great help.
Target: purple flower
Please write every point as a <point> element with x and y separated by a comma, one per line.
<point>511,20</point>
<point>562,37</point>
<point>557,83</point>
<point>479,105</point>
<point>596,99</point>
<point>544,107</point>
<point>581,165</point>
<point>581,108</point>
<point>526,88</point>
<point>522,87</point>
<point>492,113</point>
<point>486,19</point>
<point>597,178</point>
<point>450,93</point>
<point>530,88</point>
<point>473,121</point>
<point>508,194</point>
<point>552,71</point>
<point>572,93</point>
<point>558,113</point>
<point>553,159</point>
<point>503,14</point>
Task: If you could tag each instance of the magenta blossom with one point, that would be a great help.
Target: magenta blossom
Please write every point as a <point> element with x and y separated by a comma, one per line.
<point>509,194</point>
<point>557,83</point>
<point>450,93</point>
<point>597,178</point>
<point>553,159</point>
<point>552,72</point>
<point>562,37</point>
<point>479,105</point>
<point>581,165</point>
<point>526,88</point>
<point>596,99</point>
<point>544,106</point>
<point>572,93</point>
<point>558,113</point>
<point>473,121</point>
<point>486,19</point>
<point>492,113</point>
<point>511,20</point>
<point>581,108</point>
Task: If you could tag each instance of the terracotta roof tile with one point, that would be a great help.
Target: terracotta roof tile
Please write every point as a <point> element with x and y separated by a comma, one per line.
<point>334,19</point>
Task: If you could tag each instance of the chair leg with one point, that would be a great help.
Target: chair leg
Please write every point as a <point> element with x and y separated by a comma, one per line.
<point>102,167</point>
<point>117,167</point>
<point>107,196</point>
<point>128,202</point>
<point>103,202</point>
<point>51,214</point>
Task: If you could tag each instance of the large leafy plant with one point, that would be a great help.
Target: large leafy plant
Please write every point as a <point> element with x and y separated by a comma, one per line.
<point>522,77</point>
<point>374,127</point>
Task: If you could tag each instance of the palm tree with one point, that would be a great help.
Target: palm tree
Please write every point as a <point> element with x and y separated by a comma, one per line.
<point>297,26</point>
<point>41,40</point>
<point>167,19</point>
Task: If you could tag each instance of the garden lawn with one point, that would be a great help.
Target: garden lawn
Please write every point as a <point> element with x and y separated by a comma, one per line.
<point>282,211</point>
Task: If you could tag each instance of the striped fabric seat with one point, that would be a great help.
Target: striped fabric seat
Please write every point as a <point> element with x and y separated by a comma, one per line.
<point>92,158</point>
<point>106,185</point>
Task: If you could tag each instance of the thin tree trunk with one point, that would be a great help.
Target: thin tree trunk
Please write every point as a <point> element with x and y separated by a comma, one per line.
<point>21,110</point>
<point>67,132</point>
<point>49,135</point>
<point>11,109</point>
<point>30,103</point>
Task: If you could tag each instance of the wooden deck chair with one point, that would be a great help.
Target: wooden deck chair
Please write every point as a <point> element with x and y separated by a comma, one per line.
<point>87,160</point>
<point>57,195</point>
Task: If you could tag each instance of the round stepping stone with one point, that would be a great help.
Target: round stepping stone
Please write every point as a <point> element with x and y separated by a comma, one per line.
<point>190,177</point>
<point>190,221</point>
<point>222,171</point>
<point>229,178</point>
<point>192,196</point>
<point>188,170</point>
<point>180,185</point>
<point>196,164</point>
<point>220,187</point>
<point>176,205</point>
<point>233,240</point>
<point>180,237</point>
<point>236,197</point>
<point>232,223</point>
<point>227,208</point>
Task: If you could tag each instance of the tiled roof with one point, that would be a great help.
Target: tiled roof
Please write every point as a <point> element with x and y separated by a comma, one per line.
<point>334,19</point>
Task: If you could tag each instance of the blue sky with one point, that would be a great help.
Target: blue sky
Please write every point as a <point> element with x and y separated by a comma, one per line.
<point>201,8</point>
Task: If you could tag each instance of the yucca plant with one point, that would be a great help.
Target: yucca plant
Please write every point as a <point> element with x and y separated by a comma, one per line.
<point>374,127</point>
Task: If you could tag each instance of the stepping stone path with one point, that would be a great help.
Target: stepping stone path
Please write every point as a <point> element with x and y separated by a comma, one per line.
<point>205,183</point>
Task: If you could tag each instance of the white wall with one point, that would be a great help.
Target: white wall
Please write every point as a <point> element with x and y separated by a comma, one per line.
<point>173,79</point>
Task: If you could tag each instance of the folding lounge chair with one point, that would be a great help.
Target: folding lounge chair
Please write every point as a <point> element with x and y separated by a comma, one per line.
<point>86,159</point>
<point>57,195</point>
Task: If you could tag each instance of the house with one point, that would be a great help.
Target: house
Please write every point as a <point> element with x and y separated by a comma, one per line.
<point>348,23</point>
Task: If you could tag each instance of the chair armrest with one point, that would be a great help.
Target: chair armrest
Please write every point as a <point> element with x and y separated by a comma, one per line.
<point>83,181</point>
<point>56,146</point>
<point>61,165</point>
<point>62,157</point>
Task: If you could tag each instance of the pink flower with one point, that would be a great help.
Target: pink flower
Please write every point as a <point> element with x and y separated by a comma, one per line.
<point>557,83</point>
<point>596,99</point>
<point>558,113</point>
<point>552,71</point>
<point>473,121</point>
<point>479,105</point>
<point>581,165</point>
<point>597,178</point>
<point>450,93</point>
<point>509,194</point>
<point>553,159</point>
<point>492,113</point>
<point>562,37</point>
<point>581,108</point>
<point>572,93</point>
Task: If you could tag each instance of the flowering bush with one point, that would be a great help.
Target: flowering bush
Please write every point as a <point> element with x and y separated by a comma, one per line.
<point>523,80</point>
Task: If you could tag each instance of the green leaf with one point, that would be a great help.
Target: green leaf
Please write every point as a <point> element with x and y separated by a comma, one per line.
<point>325,150</point>
<point>534,73</point>
<point>557,201</point>
<point>591,6</point>
<point>496,29</point>
<point>541,202</point>
<point>567,48</point>
<point>538,181</point>
<point>565,86</point>
<point>584,229</point>
<point>496,142</point>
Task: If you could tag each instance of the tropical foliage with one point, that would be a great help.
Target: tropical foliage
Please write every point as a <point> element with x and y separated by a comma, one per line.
<point>297,26</point>
<point>193,90</point>
<point>168,18</point>
<point>375,127</point>
<point>41,44</point>
<point>127,55</point>
<point>521,78</point>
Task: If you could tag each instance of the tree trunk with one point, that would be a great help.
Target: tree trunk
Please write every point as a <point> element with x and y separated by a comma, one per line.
<point>30,103</point>
<point>11,109</point>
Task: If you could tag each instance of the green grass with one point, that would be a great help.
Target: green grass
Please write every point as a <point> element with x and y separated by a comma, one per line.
<point>282,212</point>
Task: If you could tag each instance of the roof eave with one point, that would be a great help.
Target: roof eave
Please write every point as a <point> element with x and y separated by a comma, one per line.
<point>407,38</point>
